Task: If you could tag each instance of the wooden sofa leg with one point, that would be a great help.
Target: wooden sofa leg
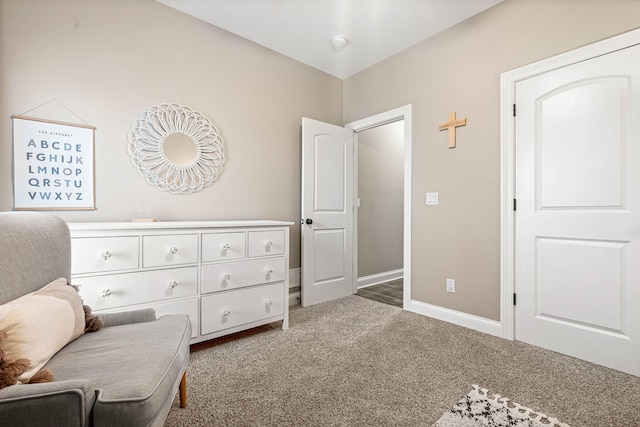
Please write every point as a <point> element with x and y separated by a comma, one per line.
<point>183,390</point>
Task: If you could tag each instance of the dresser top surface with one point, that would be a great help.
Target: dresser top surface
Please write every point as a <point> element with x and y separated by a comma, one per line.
<point>164,225</point>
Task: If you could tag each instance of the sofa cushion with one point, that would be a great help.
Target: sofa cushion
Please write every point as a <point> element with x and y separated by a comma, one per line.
<point>39,324</point>
<point>133,368</point>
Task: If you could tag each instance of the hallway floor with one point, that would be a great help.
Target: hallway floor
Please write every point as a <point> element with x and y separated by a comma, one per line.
<point>388,292</point>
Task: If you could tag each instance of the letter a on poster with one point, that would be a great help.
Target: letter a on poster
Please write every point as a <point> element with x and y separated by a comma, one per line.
<point>52,165</point>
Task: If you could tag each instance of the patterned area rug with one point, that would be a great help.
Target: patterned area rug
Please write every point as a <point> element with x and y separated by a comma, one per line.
<point>479,409</point>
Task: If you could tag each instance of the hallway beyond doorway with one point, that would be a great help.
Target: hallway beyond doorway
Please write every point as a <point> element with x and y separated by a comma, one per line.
<point>387,293</point>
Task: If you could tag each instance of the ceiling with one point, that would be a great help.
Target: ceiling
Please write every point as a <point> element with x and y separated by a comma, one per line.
<point>303,29</point>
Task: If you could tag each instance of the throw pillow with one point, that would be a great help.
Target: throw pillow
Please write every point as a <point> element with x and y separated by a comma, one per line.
<point>36,326</point>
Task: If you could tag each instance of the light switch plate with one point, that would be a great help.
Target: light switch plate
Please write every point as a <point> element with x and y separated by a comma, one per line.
<point>432,198</point>
<point>451,285</point>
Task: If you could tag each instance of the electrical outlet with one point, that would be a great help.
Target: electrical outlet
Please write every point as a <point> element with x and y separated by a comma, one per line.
<point>451,285</point>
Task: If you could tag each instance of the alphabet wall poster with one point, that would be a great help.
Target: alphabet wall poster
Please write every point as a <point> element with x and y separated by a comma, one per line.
<point>52,165</point>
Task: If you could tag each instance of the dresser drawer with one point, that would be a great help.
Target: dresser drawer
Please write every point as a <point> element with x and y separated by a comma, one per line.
<point>187,306</point>
<point>115,290</point>
<point>238,274</point>
<point>101,254</point>
<point>172,249</point>
<point>223,246</point>
<point>264,243</point>
<point>229,309</point>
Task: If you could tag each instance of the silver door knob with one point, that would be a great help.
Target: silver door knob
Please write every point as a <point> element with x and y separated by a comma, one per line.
<point>105,255</point>
<point>173,250</point>
<point>106,293</point>
<point>173,284</point>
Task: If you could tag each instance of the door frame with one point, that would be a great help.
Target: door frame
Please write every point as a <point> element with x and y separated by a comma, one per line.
<point>508,82</point>
<point>400,113</point>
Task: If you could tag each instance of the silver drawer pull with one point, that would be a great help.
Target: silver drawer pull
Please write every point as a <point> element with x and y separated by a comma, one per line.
<point>226,247</point>
<point>106,293</point>
<point>105,255</point>
<point>268,303</point>
<point>269,272</point>
<point>173,250</point>
<point>226,313</point>
<point>226,277</point>
<point>268,245</point>
<point>173,284</point>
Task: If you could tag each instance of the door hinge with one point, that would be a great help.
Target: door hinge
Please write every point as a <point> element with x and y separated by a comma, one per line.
<point>514,110</point>
<point>514,298</point>
<point>515,204</point>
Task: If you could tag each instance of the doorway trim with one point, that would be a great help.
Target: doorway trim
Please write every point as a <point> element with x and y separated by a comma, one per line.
<point>508,82</point>
<point>400,113</point>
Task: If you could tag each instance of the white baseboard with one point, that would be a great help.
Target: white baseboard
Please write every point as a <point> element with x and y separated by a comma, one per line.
<point>295,280</point>
<point>459,318</point>
<point>375,279</point>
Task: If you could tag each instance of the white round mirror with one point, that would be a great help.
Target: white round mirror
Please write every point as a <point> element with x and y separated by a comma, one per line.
<point>179,149</point>
<point>176,148</point>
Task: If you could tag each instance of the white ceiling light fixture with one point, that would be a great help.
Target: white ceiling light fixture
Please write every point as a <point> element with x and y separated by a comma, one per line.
<point>338,42</point>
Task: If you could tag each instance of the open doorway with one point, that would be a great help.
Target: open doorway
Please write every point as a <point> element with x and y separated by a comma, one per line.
<point>329,235</point>
<point>401,116</point>
<point>379,218</point>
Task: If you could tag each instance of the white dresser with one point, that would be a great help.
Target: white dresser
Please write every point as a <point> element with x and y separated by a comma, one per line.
<point>226,275</point>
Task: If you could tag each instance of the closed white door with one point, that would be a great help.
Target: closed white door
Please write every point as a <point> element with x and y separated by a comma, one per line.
<point>578,210</point>
<point>327,212</point>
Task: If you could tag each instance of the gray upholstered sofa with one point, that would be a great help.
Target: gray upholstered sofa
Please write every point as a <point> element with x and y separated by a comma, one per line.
<point>125,374</point>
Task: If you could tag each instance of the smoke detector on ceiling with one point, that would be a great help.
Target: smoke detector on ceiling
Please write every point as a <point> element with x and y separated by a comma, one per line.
<point>338,42</point>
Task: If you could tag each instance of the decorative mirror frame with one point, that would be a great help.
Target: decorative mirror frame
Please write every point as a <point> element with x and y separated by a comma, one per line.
<point>146,147</point>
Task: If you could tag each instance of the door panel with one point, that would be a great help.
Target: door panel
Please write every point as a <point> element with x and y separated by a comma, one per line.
<point>327,202</point>
<point>588,156</point>
<point>330,254</point>
<point>578,218</point>
<point>330,168</point>
<point>589,267</point>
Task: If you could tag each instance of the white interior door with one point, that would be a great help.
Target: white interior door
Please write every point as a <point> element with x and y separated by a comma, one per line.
<point>578,210</point>
<point>327,212</point>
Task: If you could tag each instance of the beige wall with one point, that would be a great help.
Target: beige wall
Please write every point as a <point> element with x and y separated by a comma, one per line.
<point>109,60</point>
<point>380,190</point>
<point>459,70</point>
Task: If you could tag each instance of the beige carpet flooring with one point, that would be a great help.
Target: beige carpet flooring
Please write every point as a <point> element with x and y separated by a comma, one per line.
<point>356,362</point>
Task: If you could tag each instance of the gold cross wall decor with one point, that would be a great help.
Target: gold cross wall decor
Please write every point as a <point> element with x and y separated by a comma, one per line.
<point>451,125</point>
